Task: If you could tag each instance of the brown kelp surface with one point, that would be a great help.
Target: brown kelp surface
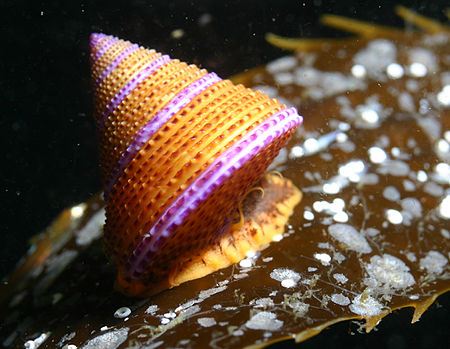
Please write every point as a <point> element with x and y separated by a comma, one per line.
<point>370,235</point>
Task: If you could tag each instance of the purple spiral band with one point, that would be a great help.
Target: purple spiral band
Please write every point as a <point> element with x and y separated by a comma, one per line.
<point>124,54</point>
<point>130,86</point>
<point>174,106</point>
<point>94,41</point>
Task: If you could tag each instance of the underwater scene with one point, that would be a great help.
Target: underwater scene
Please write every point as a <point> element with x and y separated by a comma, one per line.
<point>225,174</point>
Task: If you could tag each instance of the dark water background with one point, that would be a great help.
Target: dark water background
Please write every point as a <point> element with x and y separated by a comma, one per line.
<point>47,136</point>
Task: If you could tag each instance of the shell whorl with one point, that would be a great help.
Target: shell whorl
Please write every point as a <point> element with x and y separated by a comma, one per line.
<point>179,148</point>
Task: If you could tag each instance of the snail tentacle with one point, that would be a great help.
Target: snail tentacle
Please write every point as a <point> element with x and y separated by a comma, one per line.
<point>240,223</point>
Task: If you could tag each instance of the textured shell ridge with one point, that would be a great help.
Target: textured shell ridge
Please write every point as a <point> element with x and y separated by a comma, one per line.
<point>156,122</point>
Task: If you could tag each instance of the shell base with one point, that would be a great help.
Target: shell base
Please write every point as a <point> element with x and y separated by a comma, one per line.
<point>264,218</point>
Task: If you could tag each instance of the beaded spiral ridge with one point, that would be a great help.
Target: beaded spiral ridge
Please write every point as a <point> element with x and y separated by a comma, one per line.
<point>179,148</point>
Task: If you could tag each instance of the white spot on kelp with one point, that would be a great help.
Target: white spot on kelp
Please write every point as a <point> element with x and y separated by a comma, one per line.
<point>323,258</point>
<point>418,70</point>
<point>388,272</point>
<point>394,216</point>
<point>391,193</point>
<point>340,299</point>
<point>349,237</point>
<point>358,71</point>
<point>206,321</point>
<point>444,207</point>
<point>433,262</point>
<point>341,278</point>
<point>264,320</point>
<point>365,305</point>
<point>287,277</point>
<point>109,340</point>
<point>395,71</point>
<point>377,155</point>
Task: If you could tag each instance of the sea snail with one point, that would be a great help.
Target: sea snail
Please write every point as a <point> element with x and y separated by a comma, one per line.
<point>180,149</point>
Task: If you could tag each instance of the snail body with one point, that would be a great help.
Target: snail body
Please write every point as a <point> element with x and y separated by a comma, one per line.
<point>179,150</point>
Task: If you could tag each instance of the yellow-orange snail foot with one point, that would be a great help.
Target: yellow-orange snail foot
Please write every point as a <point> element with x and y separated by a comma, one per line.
<point>265,218</point>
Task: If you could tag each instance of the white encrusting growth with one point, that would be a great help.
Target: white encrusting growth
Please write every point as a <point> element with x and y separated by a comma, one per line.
<point>359,71</point>
<point>377,155</point>
<point>444,207</point>
<point>412,206</point>
<point>388,272</point>
<point>394,71</point>
<point>349,238</point>
<point>331,188</point>
<point>313,145</point>
<point>408,185</point>
<point>352,170</point>
<point>442,146</point>
<point>264,320</point>
<point>323,258</point>
<point>152,309</point>
<point>308,215</point>
<point>394,216</point>
<point>394,168</point>
<point>418,70</point>
<point>112,339</point>
<point>422,176</point>
<point>433,189</point>
<point>406,102</point>
<point>246,263</point>
<point>365,305</point>
<point>296,152</point>
<point>287,277</point>
<point>391,193</point>
<point>265,302</point>
<point>447,133</point>
<point>206,321</point>
<point>334,208</point>
<point>341,278</point>
<point>442,173</point>
<point>340,299</point>
<point>433,262</point>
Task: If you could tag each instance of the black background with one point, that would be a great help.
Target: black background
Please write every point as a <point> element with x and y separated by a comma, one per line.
<point>48,158</point>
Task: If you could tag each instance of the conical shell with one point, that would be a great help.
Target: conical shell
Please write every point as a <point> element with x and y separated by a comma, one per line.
<point>179,148</point>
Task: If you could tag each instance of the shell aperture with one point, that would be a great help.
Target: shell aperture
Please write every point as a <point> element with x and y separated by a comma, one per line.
<point>179,149</point>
